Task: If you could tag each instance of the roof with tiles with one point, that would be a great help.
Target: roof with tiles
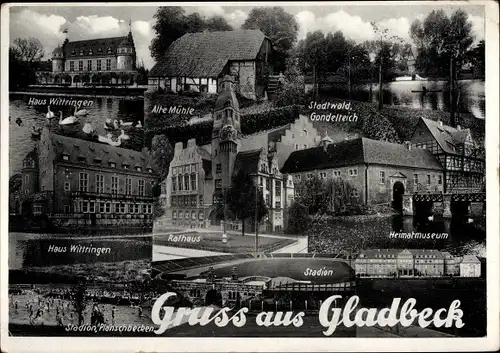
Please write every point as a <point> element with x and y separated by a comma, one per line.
<point>357,151</point>
<point>446,136</point>
<point>248,161</point>
<point>393,253</point>
<point>94,153</point>
<point>205,54</point>
<point>471,259</point>
<point>94,47</point>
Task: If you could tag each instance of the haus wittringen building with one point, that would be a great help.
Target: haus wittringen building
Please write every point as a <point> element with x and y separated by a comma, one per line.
<point>69,179</point>
<point>97,61</point>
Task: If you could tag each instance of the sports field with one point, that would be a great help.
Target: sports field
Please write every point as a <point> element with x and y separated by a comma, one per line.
<point>301,269</point>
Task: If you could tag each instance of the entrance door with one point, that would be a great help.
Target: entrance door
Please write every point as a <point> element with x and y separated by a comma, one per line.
<point>398,190</point>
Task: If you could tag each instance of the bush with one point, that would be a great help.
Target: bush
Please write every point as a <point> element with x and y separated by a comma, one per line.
<point>298,219</point>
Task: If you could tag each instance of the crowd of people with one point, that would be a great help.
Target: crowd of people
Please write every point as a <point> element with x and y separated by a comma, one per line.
<point>57,306</point>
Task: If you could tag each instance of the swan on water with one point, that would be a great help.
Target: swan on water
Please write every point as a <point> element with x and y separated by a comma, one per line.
<point>87,128</point>
<point>123,135</point>
<point>116,124</point>
<point>470,220</point>
<point>68,121</point>
<point>139,125</point>
<point>81,112</point>
<point>431,218</point>
<point>122,123</point>
<point>108,139</point>
<point>50,114</point>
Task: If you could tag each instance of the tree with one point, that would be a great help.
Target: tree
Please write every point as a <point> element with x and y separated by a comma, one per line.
<point>298,218</point>
<point>312,55</point>
<point>217,23</point>
<point>292,90</point>
<point>162,154</point>
<point>311,194</point>
<point>30,49</point>
<point>241,199</point>
<point>477,57</point>
<point>170,25</point>
<point>15,183</point>
<point>280,26</point>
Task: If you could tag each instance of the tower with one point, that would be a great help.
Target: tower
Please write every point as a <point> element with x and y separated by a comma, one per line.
<point>226,133</point>
<point>125,56</point>
<point>58,60</point>
<point>30,173</point>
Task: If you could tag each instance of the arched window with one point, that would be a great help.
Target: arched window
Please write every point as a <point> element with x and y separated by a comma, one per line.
<point>174,214</point>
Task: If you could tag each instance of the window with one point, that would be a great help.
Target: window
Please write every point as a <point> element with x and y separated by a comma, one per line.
<point>201,216</point>
<point>201,200</point>
<point>102,206</point>
<point>193,168</point>
<point>91,206</point>
<point>65,157</point>
<point>298,177</point>
<point>305,147</point>
<point>174,215</point>
<point>415,179</point>
<point>309,175</point>
<point>126,166</point>
<point>84,182</point>
<point>174,184</point>
<point>267,200</point>
<point>336,173</point>
<point>99,183</point>
<point>440,179</point>
<point>382,177</point>
<point>108,207</point>
<point>353,172</point>
<point>89,65</point>
<point>142,191</point>
<point>112,164</point>
<point>193,215</point>
<point>354,193</point>
<point>37,209</point>
<point>80,65</point>
<point>186,182</point>
<point>128,186</point>
<point>277,188</point>
<point>71,66</point>
<point>98,64</point>
<point>193,182</point>
<point>322,175</point>
<point>181,214</point>
<point>84,207</point>
<point>66,209</point>
<point>278,204</point>
<point>180,182</point>
<point>26,179</point>
<point>139,169</point>
<point>108,64</point>
<point>121,208</point>
<point>218,168</point>
<point>114,184</point>
<point>428,179</point>
<point>296,147</point>
<point>218,183</point>
<point>67,186</point>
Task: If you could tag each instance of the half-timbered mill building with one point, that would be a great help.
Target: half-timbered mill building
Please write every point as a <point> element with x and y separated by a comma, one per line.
<point>462,160</point>
<point>198,61</point>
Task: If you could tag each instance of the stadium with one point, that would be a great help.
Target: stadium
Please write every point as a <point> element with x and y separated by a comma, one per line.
<point>257,281</point>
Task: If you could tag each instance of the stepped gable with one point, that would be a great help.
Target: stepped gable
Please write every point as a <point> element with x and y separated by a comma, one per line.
<point>205,54</point>
<point>359,151</point>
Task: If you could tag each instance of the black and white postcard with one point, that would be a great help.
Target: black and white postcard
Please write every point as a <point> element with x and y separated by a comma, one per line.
<point>250,176</point>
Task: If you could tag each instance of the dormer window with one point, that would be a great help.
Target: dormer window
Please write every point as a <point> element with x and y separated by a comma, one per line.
<point>90,52</point>
<point>97,160</point>
<point>109,50</point>
<point>150,170</point>
<point>81,159</point>
<point>81,51</point>
<point>100,50</point>
<point>65,157</point>
<point>126,166</point>
<point>73,52</point>
<point>112,164</point>
<point>138,168</point>
<point>76,146</point>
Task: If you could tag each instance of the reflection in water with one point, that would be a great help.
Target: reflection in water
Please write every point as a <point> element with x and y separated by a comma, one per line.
<point>471,96</point>
<point>31,250</point>
<point>20,141</point>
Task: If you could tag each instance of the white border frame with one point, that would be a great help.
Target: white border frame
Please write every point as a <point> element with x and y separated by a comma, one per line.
<point>172,344</point>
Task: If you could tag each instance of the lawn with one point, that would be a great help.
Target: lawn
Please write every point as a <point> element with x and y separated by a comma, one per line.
<point>291,267</point>
<point>236,243</point>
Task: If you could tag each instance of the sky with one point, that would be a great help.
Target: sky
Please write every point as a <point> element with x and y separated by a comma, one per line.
<point>87,22</point>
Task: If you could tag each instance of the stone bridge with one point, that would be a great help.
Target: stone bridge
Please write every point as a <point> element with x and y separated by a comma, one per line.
<point>442,203</point>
